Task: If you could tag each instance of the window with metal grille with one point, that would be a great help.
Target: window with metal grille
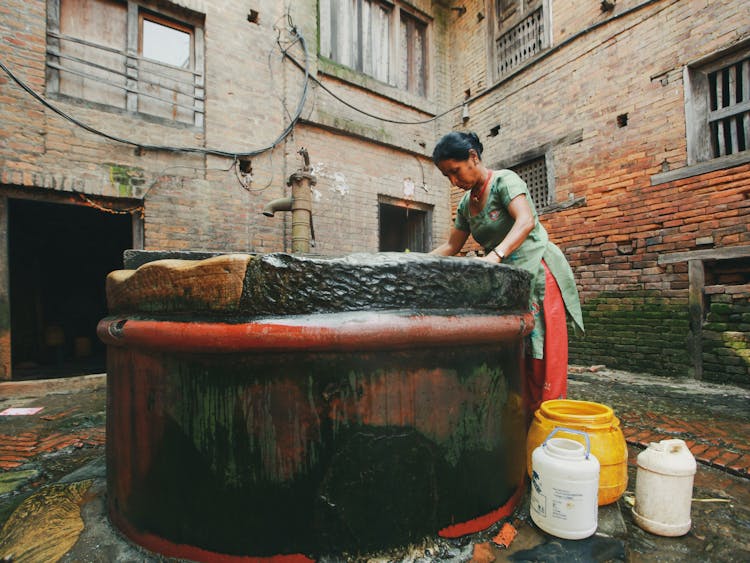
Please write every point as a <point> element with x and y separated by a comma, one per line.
<point>520,33</point>
<point>122,55</point>
<point>718,106</point>
<point>534,173</point>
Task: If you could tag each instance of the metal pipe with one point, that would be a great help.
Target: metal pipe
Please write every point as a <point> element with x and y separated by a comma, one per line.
<point>280,204</point>
<point>300,204</point>
<point>301,211</point>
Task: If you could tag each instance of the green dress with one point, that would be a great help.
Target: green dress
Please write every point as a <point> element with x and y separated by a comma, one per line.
<point>490,226</point>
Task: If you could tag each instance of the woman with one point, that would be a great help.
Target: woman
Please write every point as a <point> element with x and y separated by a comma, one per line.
<point>498,212</point>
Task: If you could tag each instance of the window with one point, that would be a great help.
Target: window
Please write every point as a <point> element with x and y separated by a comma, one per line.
<point>412,43</point>
<point>122,55</point>
<point>534,173</point>
<point>521,31</point>
<point>403,225</point>
<point>376,38</point>
<point>718,107</point>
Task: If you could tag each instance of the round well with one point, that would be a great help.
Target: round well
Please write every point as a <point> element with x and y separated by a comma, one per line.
<point>295,406</point>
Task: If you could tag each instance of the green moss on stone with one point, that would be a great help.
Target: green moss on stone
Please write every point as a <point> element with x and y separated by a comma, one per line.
<point>639,330</point>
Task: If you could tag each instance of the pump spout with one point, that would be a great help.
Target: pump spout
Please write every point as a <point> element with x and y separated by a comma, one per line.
<point>281,204</point>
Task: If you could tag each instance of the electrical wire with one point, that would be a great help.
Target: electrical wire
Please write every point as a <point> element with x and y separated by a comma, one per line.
<point>492,88</point>
<point>368,114</point>
<point>199,150</point>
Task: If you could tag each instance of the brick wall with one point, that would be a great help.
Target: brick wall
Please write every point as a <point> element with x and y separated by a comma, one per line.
<point>345,198</point>
<point>726,335</point>
<point>631,303</point>
<point>193,201</point>
<point>567,105</point>
<point>189,200</point>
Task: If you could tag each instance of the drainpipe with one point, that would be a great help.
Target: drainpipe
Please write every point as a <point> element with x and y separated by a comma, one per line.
<point>300,204</point>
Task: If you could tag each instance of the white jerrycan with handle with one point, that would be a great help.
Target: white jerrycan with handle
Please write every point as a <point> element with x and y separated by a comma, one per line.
<point>565,486</point>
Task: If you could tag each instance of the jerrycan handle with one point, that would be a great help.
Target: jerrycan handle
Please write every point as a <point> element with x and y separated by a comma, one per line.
<point>580,432</point>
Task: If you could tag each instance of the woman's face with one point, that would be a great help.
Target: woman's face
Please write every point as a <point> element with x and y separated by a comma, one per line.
<point>464,174</point>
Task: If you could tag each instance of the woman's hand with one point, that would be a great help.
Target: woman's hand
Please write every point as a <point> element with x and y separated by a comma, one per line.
<point>492,258</point>
<point>455,243</point>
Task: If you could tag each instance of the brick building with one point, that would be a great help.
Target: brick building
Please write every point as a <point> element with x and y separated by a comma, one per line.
<point>630,120</point>
<point>170,125</point>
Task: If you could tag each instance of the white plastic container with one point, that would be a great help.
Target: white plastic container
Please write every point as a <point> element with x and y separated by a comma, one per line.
<point>565,487</point>
<point>664,488</point>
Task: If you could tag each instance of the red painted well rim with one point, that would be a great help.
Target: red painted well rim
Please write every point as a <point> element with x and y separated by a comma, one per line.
<point>483,522</point>
<point>157,544</point>
<point>326,332</point>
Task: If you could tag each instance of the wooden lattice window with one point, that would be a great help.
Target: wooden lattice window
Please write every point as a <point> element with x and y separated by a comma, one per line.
<point>521,32</point>
<point>534,173</point>
<point>718,106</point>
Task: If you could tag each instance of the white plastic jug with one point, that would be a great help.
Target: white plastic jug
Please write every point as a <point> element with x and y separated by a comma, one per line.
<point>664,488</point>
<point>565,486</point>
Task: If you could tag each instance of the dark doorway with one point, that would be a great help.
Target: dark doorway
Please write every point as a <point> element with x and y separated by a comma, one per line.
<point>404,228</point>
<point>59,257</point>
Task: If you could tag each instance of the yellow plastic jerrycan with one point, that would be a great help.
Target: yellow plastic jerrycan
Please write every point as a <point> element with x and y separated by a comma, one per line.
<point>602,426</point>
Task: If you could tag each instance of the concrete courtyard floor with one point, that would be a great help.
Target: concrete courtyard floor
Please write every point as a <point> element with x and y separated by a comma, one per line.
<point>52,486</point>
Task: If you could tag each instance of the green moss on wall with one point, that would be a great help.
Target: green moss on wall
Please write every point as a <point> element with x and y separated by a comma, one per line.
<point>726,340</point>
<point>355,128</point>
<point>639,331</point>
<point>127,180</point>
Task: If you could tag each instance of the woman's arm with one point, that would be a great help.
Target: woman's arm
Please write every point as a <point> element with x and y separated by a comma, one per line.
<point>520,209</point>
<point>455,242</point>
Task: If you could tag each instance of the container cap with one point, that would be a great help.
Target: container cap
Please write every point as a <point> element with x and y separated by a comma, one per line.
<point>670,457</point>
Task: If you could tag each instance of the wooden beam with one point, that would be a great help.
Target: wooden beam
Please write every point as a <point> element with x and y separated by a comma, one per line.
<point>726,253</point>
<point>720,163</point>
<point>696,306</point>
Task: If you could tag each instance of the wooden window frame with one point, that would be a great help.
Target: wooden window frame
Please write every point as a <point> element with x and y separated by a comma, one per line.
<point>407,204</point>
<point>540,161</point>
<point>166,22</point>
<point>414,25</point>
<point>497,29</point>
<point>697,104</point>
<point>545,152</point>
<point>397,9</point>
<point>136,9</point>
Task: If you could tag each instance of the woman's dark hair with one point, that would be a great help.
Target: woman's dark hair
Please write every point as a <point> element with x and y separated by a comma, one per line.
<point>456,146</point>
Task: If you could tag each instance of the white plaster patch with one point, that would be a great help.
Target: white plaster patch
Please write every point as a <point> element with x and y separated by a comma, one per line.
<point>320,170</point>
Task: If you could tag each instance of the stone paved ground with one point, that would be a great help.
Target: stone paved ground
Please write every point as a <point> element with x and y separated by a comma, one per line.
<point>43,455</point>
<point>713,420</point>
